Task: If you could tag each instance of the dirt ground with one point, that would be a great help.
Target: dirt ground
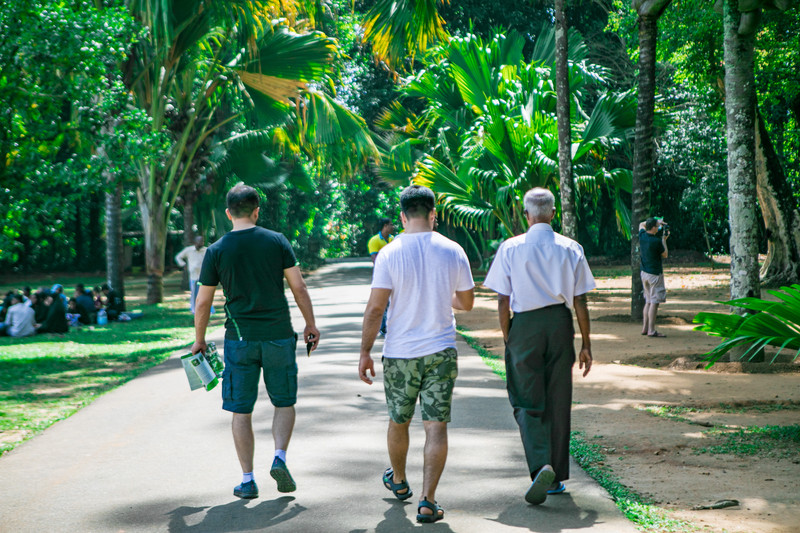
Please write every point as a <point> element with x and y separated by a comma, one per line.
<point>660,456</point>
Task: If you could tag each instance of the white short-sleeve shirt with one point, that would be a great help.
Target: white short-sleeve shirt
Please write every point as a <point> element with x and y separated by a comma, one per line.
<point>423,271</point>
<point>540,268</point>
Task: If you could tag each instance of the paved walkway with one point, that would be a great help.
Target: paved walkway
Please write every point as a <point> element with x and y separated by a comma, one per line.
<point>153,456</point>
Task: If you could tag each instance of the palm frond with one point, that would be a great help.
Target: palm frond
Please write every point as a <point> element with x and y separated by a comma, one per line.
<point>768,324</point>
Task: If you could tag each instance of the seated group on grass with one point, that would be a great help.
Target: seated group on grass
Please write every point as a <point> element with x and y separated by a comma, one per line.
<point>50,311</point>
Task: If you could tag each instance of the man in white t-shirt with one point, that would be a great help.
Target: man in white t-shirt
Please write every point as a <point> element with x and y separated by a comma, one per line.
<point>19,318</point>
<point>426,275</point>
<point>191,258</point>
<point>541,276</point>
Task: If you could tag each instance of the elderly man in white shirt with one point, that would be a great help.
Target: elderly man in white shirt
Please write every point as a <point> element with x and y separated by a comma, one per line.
<point>541,276</point>
<point>191,257</point>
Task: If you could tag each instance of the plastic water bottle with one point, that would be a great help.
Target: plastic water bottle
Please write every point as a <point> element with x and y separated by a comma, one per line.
<point>102,317</point>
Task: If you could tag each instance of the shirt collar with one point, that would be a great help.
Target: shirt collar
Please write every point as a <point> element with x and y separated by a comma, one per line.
<point>541,226</point>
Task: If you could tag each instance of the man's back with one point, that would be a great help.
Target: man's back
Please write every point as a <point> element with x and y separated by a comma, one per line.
<point>423,270</point>
<point>540,268</point>
<point>249,264</point>
<point>21,320</point>
<point>651,249</point>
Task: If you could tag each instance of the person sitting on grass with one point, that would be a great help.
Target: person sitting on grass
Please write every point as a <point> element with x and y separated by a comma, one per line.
<point>115,304</point>
<point>38,305</point>
<point>98,298</point>
<point>74,313</point>
<point>84,304</point>
<point>19,319</point>
<point>56,320</point>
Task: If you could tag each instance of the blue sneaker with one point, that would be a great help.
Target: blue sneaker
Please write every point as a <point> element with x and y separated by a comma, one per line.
<point>281,474</point>
<point>246,491</point>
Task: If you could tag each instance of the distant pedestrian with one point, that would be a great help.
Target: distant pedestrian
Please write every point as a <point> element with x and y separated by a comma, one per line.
<point>540,276</point>
<point>653,249</point>
<point>251,262</point>
<point>374,246</point>
<point>191,258</point>
<point>425,275</point>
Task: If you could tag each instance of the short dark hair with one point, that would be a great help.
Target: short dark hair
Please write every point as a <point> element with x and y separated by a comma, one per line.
<point>382,222</point>
<point>417,201</point>
<point>242,200</point>
<point>105,287</point>
<point>16,296</point>
<point>650,223</point>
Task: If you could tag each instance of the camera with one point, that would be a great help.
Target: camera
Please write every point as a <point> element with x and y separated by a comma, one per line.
<point>664,228</point>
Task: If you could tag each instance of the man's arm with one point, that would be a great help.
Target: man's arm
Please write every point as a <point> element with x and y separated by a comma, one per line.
<point>504,314</point>
<point>582,314</point>
<point>298,286</point>
<point>378,298</point>
<point>664,238</point>
<point>202,311</point>
<point>641,225</point>
<point>463,300</point>
<point>180,259</point>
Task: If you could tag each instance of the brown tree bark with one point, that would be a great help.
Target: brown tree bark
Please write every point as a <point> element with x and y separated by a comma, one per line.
<point>780,211</point>
<point>115,275</point>
<point>649,12</point>
<point>569,218</point>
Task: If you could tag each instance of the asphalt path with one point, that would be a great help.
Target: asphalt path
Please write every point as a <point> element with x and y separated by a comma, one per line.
<point>153,456</point>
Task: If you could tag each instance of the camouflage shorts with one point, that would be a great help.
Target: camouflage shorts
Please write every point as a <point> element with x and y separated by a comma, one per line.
<point>431,378</point>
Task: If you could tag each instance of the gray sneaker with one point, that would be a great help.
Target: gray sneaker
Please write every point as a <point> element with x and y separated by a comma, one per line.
<point>247,491</point>
<point>281,474</point>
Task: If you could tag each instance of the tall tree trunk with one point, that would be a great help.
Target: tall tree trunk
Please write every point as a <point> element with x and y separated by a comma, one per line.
<point>114,261</point>
<point>569,219</point>
<point>154,224</point>
<point>780,211</point>
<point>643,153</point>
<point>740,105</point>
<point>188,229</point>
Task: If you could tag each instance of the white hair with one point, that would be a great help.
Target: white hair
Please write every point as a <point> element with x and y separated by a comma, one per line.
<point>539,202</point>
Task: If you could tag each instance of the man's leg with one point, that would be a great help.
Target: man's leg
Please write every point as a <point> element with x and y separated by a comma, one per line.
<point>651,319</point>
<point>193,288</point>
<point>435,458</point>
<point>646,319</point>
<point>282,426</point>
<point>244,440</point>
<point>397,443</point>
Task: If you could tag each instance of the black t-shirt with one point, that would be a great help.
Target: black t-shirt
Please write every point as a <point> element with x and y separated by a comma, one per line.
<point>249,264</point>
<point>651,249</point>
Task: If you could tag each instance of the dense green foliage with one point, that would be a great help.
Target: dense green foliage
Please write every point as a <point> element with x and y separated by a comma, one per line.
<point>75,113</point>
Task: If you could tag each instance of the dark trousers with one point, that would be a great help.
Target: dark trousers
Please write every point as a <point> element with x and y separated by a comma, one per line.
<point>539,358</point>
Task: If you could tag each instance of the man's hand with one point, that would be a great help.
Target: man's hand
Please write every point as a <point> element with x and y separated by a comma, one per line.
<point>311,334</point>
<point>199,346</point>
<point>585,359</point>
<point>365,363</point>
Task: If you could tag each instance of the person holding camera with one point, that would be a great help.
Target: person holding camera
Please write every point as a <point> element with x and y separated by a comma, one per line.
<point>653,249</point>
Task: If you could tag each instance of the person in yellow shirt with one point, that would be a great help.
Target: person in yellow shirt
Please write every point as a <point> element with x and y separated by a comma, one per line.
<point>374,245</point>
<point>381,239</point>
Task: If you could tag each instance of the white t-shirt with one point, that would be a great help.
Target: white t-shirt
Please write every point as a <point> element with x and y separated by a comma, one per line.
<point>423,271</point>
<point>20,321</point>
<point>192,258</point>
<point>540,268</point>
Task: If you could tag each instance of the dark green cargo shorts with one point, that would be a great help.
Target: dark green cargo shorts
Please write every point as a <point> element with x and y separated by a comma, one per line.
<point>431,378</point>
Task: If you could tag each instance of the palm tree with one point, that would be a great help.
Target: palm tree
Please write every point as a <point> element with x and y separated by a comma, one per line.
<point>490,131</point>
<point>648,11</point>
<point>195,57</point>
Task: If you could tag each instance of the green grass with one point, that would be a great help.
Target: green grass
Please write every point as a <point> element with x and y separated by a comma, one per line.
<point>634,506</point>
<point>46,378</point>
<point>496,363</point>
<point>765,441</point>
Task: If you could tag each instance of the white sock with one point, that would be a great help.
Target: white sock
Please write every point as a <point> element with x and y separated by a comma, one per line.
<point>247,477</point>
<point>281,454</point>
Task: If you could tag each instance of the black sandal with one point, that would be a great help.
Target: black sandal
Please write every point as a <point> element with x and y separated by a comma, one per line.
<point>388,482</point>
<point>435,516</point>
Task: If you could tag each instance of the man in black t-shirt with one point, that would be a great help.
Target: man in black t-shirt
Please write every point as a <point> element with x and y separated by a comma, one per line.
<point>653,250</point>
<point>251,263</point>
